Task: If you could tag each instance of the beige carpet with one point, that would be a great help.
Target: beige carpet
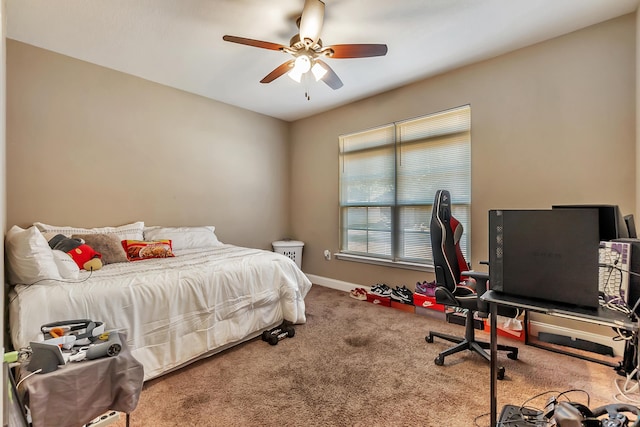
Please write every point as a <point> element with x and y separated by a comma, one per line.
<point>358,364</point>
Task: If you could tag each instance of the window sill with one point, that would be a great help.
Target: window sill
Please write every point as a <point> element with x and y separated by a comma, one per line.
<point>384,262</point>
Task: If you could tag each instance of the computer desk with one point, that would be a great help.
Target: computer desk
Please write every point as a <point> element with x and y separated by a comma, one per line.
<point>600,316</point>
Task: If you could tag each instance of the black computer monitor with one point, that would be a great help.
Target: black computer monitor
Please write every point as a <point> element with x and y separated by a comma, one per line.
<point>631,226</point>
<point>550,254</point>
<point>611,222</point>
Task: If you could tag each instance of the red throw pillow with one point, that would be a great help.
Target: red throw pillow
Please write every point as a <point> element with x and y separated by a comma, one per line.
<point>138,249</point>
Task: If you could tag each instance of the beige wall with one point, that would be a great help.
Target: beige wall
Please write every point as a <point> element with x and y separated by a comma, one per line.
<point>90,146</point>
<point>552,123</point>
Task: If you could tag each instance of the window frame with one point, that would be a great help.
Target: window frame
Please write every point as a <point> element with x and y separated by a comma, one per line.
<point>396,255</point>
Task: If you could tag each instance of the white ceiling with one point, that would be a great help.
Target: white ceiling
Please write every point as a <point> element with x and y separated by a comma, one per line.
<point>179,43</point>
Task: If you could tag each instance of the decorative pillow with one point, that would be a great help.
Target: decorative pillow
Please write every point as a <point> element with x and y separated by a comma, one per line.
<point>139,249</point>
<point>67,267</point>
<point>128,231</point>
<point>29,257</point>
<point>184,237</point>
<point>107,244</point>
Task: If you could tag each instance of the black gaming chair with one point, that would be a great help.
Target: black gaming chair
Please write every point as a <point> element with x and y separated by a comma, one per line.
<point>452,288</point>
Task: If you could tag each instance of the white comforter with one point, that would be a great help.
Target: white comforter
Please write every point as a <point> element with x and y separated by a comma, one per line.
<point>173,310</point>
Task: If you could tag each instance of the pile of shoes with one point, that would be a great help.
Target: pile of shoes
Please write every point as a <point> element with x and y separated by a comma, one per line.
<point>400,293</point>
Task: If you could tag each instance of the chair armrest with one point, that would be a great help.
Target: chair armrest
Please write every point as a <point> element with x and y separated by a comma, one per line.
<point>445,297</point>
<point>478,275</point>
<point>481,287</point>
<point>481,278</point>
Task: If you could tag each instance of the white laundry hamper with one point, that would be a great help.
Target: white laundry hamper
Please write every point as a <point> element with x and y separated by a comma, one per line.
<point>291,249</point>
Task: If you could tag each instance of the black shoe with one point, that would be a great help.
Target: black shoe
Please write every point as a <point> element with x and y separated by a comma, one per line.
<point>402,294</point>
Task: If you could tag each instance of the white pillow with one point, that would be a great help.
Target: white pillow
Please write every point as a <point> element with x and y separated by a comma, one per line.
<point>133,231</point>
<point>29,257</point>
<point>67,267</point>
<point>184,237</point>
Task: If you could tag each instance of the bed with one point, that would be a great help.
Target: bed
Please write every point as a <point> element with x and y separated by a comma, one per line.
<point>173,310</point>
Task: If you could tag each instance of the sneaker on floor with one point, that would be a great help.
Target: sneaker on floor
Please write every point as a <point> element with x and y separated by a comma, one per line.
<point>359,294</point>
<point>426,288</point>
<point>402,294</point>
<point>381,290</point>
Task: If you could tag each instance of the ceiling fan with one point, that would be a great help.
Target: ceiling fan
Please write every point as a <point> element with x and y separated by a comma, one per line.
<point>307,49</point>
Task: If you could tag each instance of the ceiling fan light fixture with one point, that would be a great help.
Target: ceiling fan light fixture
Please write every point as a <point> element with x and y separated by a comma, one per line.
<point>318,71</point>
<point>297,77</point>
<point>301,65</point>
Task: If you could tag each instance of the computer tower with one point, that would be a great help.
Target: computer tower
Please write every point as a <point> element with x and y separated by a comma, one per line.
<point>547,254</point>
<point>634,280</point>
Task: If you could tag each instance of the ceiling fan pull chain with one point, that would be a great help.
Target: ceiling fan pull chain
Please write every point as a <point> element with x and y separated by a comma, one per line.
<point>307,87</point>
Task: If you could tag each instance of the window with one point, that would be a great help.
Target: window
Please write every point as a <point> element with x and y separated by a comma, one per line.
<point>388,180</point>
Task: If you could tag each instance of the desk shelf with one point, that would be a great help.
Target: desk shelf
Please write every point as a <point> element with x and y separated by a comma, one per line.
<point>600,316</point>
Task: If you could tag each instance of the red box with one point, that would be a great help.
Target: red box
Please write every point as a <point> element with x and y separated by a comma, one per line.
<point>409,308</point>
<point>425,301</point>
<point>386,301</point>
<point>516,335</point>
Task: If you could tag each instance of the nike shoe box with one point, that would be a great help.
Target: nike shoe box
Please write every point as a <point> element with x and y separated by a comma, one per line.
<point>375,299</point>
<point>507,333</point>
<point>409,308</point>
<point>424,301</point>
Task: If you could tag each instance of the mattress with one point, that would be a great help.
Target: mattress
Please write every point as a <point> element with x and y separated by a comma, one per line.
<point>173,310</point>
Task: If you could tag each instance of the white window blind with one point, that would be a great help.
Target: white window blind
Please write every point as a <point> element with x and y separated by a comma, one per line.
<point>388,179</point>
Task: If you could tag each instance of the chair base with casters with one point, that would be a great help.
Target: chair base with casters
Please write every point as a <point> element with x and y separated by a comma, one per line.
<point>469,343</point>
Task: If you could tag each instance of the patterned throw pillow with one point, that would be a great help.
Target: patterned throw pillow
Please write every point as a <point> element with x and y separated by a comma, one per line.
<point>139,249</point>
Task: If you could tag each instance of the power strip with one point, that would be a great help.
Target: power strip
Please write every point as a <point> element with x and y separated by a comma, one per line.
<point>104,419</point>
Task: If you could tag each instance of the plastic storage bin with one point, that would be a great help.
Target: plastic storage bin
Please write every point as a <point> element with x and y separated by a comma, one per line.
<point>291,249</point>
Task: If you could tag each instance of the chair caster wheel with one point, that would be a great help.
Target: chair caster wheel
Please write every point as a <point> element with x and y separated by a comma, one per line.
<point>428,339</point>
<point>513,355</point>
<point>501,373</point>
<point>439,361</point>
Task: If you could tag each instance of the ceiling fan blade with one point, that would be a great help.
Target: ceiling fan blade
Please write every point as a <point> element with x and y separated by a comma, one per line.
<point>330,78</point>
<point>280,70</point>
<point>311,20</point>
<point>358,50</point>
<point>252,42</point>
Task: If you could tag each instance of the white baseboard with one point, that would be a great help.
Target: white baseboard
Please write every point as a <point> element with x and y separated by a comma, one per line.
<point>334,284</point>
<point>536,327</point>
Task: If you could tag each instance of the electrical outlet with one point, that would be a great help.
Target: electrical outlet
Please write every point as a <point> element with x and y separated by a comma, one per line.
<point>327,254</point>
